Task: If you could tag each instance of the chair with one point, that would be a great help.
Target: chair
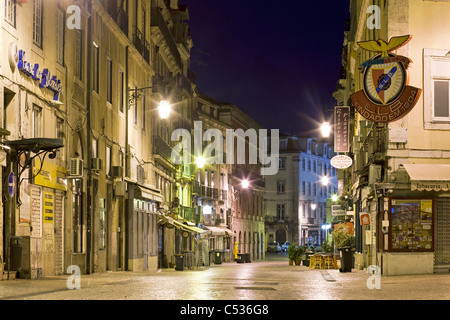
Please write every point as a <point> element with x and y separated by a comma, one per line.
<point>317,261</point>
<point>328,262</point>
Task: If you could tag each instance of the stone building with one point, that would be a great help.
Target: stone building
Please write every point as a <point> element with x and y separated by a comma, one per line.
<point>295,198</point>
<point>400,172</point>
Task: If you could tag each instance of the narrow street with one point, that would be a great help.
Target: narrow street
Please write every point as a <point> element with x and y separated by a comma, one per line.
<point>272,279</point>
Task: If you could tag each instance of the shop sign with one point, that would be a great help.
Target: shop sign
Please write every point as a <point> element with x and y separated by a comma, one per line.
<point>364,219</point>
<point>185,234</point>
<point>46,80</point>
<point>386,96</point>
<point>341,129</point>
<point>341,161</point>
<point>338,210</point>
<point>50,175</point>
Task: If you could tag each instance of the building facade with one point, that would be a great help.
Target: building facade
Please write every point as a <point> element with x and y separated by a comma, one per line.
<point>295,197</point>
<point>399,175</point>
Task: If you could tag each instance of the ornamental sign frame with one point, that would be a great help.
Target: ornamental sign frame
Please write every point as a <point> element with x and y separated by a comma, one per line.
<point>386,96</point>
<point>341,161</point>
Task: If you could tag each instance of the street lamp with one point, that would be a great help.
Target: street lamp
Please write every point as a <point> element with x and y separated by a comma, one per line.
<point>200,162</point>
<point>325,180</point>
<point>334,197</point>
<point>326,129</point>
<point>313,206</point>
<point>245,184</point>
<point>164,109</point>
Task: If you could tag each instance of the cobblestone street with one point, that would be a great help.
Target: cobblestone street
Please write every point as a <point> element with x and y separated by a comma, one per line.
<point>273,279</point>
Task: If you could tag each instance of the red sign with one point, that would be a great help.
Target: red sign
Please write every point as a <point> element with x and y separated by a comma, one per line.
<point>341,129</point>
<point>364,219</point>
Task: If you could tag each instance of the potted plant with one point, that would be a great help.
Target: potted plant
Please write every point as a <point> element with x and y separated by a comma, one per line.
<point>345,243</point>
<point>299,253</point>
<point>292,254</point>
<point>308,251</point>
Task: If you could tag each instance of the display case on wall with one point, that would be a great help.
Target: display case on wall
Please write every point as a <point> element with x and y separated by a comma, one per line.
<point>411,225</point>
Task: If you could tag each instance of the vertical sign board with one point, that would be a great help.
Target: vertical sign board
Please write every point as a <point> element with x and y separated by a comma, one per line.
<point>48,207</point>
<point>341,129</point>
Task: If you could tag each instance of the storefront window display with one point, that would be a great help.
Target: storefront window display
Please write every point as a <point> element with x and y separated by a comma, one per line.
<point>411,225</point>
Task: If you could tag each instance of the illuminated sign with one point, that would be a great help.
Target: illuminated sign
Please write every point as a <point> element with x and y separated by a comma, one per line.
<point>385,97</point>
<point>46,79</point>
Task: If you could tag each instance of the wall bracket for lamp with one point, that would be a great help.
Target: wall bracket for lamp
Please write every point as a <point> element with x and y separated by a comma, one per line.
<point>27,147</point>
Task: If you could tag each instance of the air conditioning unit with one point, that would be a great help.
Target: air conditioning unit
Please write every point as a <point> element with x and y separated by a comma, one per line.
<point>116,172</point>
<point>96,164</point>
<point>120,188</point>
<point>76,167</point>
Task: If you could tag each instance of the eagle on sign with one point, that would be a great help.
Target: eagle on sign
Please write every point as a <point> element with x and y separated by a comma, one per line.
<point>384,47</point>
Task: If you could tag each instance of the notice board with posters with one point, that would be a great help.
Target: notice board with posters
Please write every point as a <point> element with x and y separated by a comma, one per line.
<point>411,225</point>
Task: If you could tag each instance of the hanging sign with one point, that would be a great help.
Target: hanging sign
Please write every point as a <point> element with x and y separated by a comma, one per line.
<point>341,129</point>
<point>364,219</point>
<point>11,184</point>
<point>341,161</point>
<point>386,96</point>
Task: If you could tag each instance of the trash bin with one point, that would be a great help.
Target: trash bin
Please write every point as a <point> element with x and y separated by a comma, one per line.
<point>179,262</point>
<point>346,255</point>
<point>16,253</point>
<point>247,258</point>
<point>218,257</point>
<point>240,258</point>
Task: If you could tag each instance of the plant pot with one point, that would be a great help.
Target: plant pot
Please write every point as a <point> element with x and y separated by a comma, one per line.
<point>291,262</point>
<point>297,262</point>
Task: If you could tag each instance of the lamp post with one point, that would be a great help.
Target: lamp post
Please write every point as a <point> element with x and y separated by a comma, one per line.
<point>325,129</point>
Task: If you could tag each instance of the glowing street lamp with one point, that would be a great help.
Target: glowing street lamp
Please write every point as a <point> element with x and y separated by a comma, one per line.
<point>164,109</point>
<point>326,129</point>
<point>200,162</point>
<point>245,184</point>
<point>325,180</point>
<point>334,197</point>
<point>313,206</point>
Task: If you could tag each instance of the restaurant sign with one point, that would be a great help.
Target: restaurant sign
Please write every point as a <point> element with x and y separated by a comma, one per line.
<point>386,96</point>
<point>45,78</point>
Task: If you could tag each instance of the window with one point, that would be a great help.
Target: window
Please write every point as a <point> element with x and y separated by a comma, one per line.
<point>94,148</point>
<point>37,22</point>
<point>77,216</point>
<point>309,165</point>
<point>282,145</point>
<point>109,80</point>
<point>95,67</point>
<point>303,210</point>
<point>10,12</point>
<point>314,189</point>
<point>102,225</point>
<point>78,55</point>
<point>303,164</point>
<point>303,187</point>
<point>281,186</point>
<point>436,89</point>
<point>60,36</point>
<point>59,128</point>
<point>108,160</point>
<point>309,188</point>
<point>135,108</point>
<point>281,163</point>
<point>37,121</point>
<point>144,107</point>
<point>411,223</point>
<point>280,211</point>
<point>121,89</point>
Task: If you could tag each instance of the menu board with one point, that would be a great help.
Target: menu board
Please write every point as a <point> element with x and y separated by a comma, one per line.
<point>411,224</point>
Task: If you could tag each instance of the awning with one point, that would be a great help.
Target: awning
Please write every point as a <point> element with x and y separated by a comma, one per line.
<point>429,177</point>
<point>217,231</point>
<point>185,227</point>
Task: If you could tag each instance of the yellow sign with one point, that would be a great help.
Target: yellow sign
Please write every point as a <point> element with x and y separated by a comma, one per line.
<point>48,207</point>
<point>50,175</point>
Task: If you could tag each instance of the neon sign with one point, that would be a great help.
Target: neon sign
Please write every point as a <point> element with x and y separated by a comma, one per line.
<point>46,79</point>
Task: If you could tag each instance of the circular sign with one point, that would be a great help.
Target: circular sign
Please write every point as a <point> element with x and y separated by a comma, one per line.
<point>384,83</point>
<point>185,234</point>
<point>341,161</point>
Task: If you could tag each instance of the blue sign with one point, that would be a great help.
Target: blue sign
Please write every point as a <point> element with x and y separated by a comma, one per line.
<point>11,184</point>
<point>46,79</point>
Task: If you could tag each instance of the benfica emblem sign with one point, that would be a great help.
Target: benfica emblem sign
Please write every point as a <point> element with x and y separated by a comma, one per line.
<point>386,95</point>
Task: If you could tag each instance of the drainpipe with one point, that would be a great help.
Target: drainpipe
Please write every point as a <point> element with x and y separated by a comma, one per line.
<point>88,143</point>
<point>127,162</point>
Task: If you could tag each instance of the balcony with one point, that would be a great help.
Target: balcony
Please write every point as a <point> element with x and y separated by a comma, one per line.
<point>159,25</point>
<point>162,151</point>
<point>224,195</point>
<point>119,15</point>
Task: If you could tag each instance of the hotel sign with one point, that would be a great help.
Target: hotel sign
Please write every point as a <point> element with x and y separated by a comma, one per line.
<point>385,97</point>
<point>45,78</point>
<point>341,129</point>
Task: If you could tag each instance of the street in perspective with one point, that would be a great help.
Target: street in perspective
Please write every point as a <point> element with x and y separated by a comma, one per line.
<point>235,158</point>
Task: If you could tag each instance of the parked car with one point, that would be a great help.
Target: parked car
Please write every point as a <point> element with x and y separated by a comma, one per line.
<point>273,247</point>
<point>285,246</point>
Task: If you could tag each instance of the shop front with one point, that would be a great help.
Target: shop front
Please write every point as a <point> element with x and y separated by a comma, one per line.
<point>142,228</point>
<point>221,240</point>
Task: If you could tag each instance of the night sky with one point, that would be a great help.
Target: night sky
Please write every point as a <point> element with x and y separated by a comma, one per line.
<point>278,61</point>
